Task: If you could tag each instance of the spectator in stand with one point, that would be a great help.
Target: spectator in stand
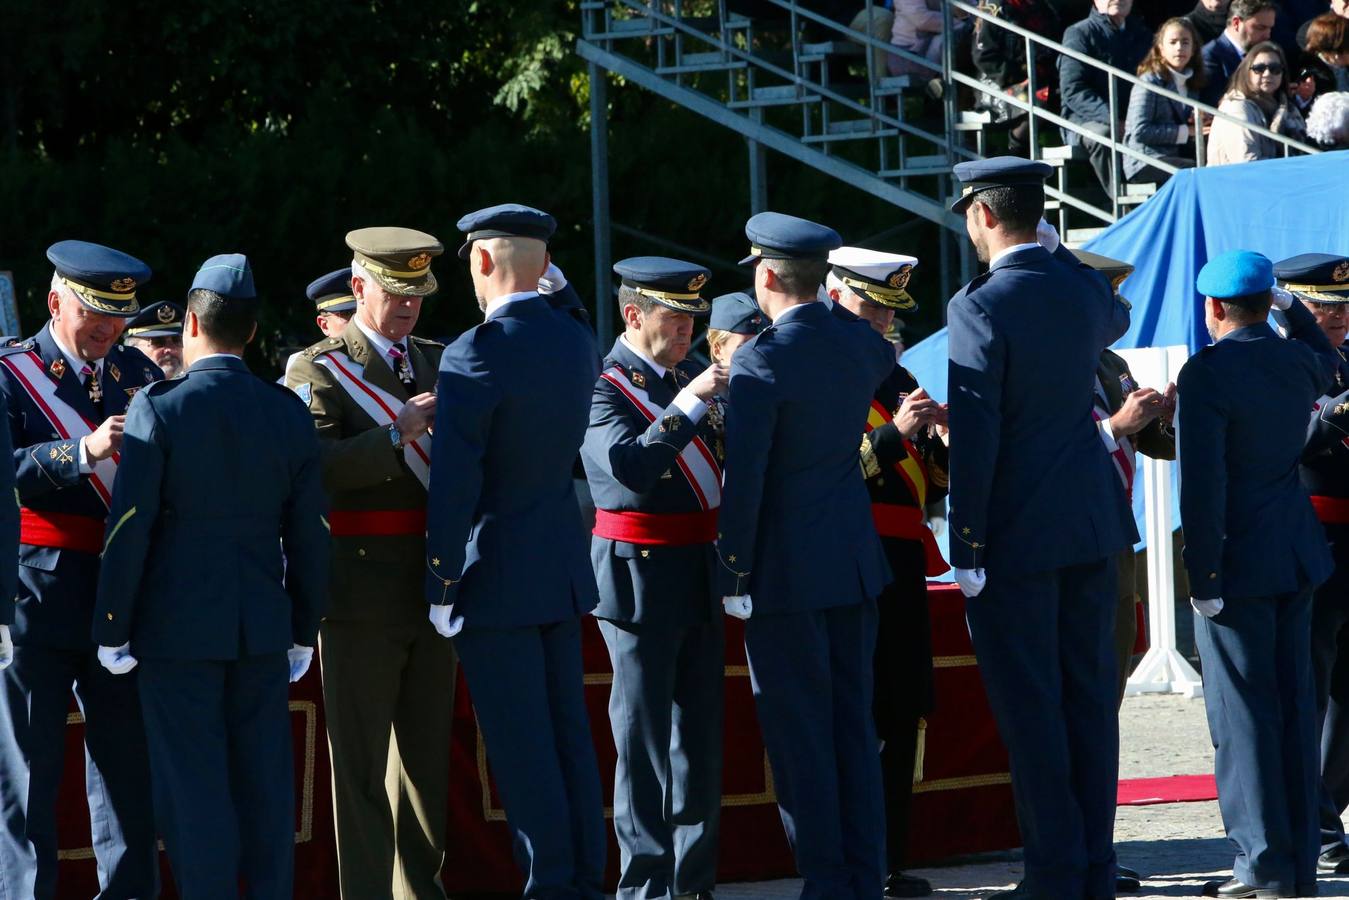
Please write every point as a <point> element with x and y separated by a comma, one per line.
<point>1310,80</point>
<point>1338,7</point>
<point>1249,22</point>
<point>918,28</point>
<point>1156,125</point>
<point>1107,34</point>
<point>1000,59</point>
<point>1328,41</point>
<point>1209,18</point>
<point>1328,124</point>
<point>1256,95</point>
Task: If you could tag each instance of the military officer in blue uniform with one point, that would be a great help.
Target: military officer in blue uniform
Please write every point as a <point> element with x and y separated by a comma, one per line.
<point>158,333</point>
<point>334,305</point>
<point>1254,553</point>
<point>215,659</point>
<point>66,390</point>
<point>1037,516</point>
<point>508,575</point>
<point>1321,282</point>
<point>799,557</point>
<point>651,461</point>
<point>904,462</point>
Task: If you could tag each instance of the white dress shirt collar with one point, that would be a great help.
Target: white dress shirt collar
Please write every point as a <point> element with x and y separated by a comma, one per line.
<point>377,340</point>
<point>494,306</point>
<point>73,360</point>
<point>1005,251</point>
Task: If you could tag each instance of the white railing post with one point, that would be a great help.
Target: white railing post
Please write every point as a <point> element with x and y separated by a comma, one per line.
<point>1163,670</point>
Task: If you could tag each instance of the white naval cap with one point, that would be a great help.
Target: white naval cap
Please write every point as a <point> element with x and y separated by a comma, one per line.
<point>881,278</point>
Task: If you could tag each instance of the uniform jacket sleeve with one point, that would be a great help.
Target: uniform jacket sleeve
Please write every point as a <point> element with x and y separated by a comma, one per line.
<point>1157,440</point>
<point>305,538</point>
<point>1302,328</point>
<point>350,461</point>
<point>9,535</point>
<point>750,424</point>
<point>975,391</point>
<point>131,518</point>
<point>42,467</point>
<point>467,399</point>
<point>1203,476</point>
<point>616,443</point>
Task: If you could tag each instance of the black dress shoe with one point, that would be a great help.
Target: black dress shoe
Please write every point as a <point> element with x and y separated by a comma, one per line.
<point>1128,873</point>
<point>901,885</point>
<point>1233,888</point>
<point>1334,861</point>
<point>1126,884</point>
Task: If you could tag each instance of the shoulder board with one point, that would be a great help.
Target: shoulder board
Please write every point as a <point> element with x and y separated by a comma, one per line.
<point>12,345</point>
<point>427,341</point>
<point>327,345</point>
<point>163,386</point>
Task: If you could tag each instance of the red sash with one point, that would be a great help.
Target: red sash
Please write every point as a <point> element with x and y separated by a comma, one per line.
<point>1331,510</point>
<point>376,522</point>
<point>64,530</point>
<point>906,522</point>
<point>669,529</point>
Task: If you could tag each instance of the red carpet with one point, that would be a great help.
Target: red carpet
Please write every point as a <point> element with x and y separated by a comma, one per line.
<point>1172,789</point>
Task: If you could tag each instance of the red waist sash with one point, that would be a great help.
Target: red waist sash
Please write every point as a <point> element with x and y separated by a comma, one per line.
<point>376,522</point>
<point>906,522</point>
<point>664,529</point>
<point>1331,510</point>
<point>64,530</point>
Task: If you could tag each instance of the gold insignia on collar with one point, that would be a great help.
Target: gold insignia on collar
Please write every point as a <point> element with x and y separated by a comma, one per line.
<point>114,372</point>
<point>1341,273</point>
<point>420,261</point>
<point>131,391</point>
<point>124,284</point>
<point>164,314</point>
<point>58,368</point>
<point>900,279</point>
<point>697,281</point>
<point>1341,409</point>
<point>638,379</point>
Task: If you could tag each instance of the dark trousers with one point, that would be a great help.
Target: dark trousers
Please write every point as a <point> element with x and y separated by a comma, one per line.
<point>222,761</point>
<point>526,685</point>
<point>812,679</point>
<point>1045,645</point>
<point>665,708</point>
<point>898,758</point>
<point>33,709</point>
<point>1330,668</point>
<point>1260,700</point>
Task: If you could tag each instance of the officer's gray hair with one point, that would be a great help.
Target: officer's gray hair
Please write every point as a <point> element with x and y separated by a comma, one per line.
<point>833,283</point>
<point>62,289</point>
<point>360,271</point>
<point>627,295</point>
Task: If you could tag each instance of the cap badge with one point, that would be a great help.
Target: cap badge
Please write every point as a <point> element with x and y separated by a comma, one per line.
<point>58,368</point>
<point>900,279</point>
<point>122,285</point>
<point>164,314</point>
<point>1341,273</point>
<point>420,261</point>
<point>697,281</point>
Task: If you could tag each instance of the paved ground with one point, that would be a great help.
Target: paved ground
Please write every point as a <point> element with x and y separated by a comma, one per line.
<point>1177,846</point>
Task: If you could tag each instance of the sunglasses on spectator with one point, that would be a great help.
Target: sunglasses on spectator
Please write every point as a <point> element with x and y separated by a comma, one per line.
<point>1271,68</point>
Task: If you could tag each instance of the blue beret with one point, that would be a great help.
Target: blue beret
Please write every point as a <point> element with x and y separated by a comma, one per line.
<point>332,292</point>
<point>1236,273</point>
<point>228,274</point>
<point>670,282</point>
<point>777,236</point>
<point>1317,277</point>
<point>999,171</point>
<point>162,319</point>
<point>737,313</point>
<point>506,220</point>
<point>103,279</point>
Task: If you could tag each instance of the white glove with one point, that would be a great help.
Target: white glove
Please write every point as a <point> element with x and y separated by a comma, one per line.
<point>299,657</point>
<point>1047,235</point>
<point>1207,608</point>
<point>738,607</point>
<point>440,617</point>
<point>1279,298</point>
<point>938,525</point>
<point>117,660</point>
<point>971,581</point>
<point>6,648</point>
<point>552,281</point>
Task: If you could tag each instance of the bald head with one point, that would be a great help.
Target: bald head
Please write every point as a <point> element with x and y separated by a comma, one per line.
<point>506,265</point>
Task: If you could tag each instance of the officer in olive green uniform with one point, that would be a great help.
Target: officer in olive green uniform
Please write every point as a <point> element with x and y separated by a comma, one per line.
<point>384,667</point>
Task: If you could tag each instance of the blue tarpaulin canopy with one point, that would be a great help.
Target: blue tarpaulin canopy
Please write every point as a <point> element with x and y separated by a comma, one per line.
<point>1278,207</point>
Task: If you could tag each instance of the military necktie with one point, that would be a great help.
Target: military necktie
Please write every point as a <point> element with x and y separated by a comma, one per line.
<point>672,380</point>
<point>92,386</point>
<point>402,367</point>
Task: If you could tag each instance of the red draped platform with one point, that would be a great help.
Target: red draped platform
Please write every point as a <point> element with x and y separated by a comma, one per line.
<point>963,804</point>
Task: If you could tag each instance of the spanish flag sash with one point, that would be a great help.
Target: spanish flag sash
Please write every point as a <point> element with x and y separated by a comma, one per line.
<point>911,468</point>
<point>65,420</point>
<point>379,405</point>
<point>906,522</point>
